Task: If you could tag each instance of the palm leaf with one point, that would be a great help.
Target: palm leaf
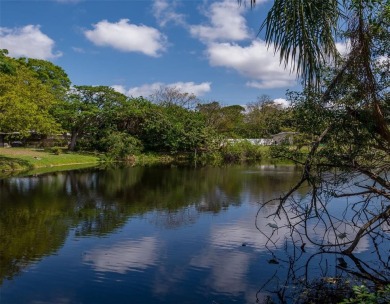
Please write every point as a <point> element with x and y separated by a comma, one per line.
<point>303,32</point>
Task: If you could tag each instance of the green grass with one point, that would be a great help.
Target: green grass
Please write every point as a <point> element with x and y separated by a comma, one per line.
<point>27,159</point>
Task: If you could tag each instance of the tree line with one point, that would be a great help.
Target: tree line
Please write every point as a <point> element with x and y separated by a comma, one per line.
<point>38,96</point>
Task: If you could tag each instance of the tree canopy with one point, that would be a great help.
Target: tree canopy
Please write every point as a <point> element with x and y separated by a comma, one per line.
<point>25,101</point>
<point>344,110</point>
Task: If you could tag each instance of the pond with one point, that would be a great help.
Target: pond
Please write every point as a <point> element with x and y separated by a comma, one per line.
<point>157,235</point>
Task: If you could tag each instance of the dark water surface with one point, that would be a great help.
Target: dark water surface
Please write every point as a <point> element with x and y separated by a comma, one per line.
<point>144,235</point>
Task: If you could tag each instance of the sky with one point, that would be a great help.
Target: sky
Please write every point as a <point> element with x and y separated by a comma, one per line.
<point>212,49</point>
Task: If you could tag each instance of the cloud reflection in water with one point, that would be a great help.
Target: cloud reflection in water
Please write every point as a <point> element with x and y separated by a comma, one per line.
<point>123,257</point>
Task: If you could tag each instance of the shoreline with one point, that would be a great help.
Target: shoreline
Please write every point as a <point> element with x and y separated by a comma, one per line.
<point>32,161</point>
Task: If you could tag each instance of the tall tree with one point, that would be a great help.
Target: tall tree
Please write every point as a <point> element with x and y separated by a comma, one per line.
<point>88,110</point>
<point>166,95</point>
<point>228,120</point>
<point>265,118</point>
<point>50,74</point>
<point>345,106</point>
<point>25,101</point>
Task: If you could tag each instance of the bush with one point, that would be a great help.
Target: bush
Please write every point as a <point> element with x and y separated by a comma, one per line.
<point>240,151</point>
<point>56,150</point>
<point>363,295</point>
<point>120,145</point>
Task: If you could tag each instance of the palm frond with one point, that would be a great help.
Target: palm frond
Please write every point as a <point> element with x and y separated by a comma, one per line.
<point>303,32</point>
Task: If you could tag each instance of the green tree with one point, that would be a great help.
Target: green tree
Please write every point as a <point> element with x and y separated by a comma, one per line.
<point>227,121</point>
<point>6,64</point>
<point>50,74</point>
<point>265,118</point>
<point>25,101</point>
<point>344,107</point>
<point>88,112</point>
<point>166,95</point>
<point>173,129</point>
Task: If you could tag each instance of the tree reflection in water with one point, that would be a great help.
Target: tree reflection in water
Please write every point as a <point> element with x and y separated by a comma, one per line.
<point>317,233</point>
<point>40,214</point>
<point>322,277</point>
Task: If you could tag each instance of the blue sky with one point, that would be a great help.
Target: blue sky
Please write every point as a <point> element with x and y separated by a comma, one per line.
<point>209,48</point>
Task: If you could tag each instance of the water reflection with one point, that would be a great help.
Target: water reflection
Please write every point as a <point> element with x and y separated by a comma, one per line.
<point>126,256</point>
<point>228,269</point>
<point>37,213</point>
<point>148,235</point>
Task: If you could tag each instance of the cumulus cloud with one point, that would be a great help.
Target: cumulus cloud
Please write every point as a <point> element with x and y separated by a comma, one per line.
<point>255,61</point>
<point>119,88</point>
<point>224,34</point>
<point>191,87</point>
<point>127,37</point>
<point>226,23</point>
<point>28,41</point>
<point>282,102</point>
<point>144,90</point>
<point>148,89</point>
<point>164,13</point>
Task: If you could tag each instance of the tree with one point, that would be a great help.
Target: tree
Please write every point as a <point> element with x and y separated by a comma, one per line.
<point>89,112</point>
<point>228,121</point>
<point>25,101</point>
<point>265,118</point>
<point>50,74</point>
<point>167,95</point>
<point>172,128</point>
<point>345,107</point>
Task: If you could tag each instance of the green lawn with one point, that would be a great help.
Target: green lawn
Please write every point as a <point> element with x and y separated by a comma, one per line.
<point>28,158</point>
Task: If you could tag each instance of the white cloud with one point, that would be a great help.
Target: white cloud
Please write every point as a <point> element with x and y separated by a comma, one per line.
<point>269,84</point>
<point>165,13</point>
<point>225,28</point>
<point>255,61</point>
<point>119,88</point>
<point>226,23</point>
<point>343,47</point>
<point>128,37</point>
<point>28,41</point>
<point>282,102</point>
<point>148,89</point>
<point>383,59</point>
<point>191,87</point>
<point>78,50</point>
<point>144,90</point>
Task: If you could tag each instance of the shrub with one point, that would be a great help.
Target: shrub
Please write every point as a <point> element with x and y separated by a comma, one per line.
<point>120,145</point>
<point>56,150</point>
<point>241,151</point>
<point>363,295</point>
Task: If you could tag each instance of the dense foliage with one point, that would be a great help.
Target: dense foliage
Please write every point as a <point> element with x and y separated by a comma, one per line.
<point>36,97</point>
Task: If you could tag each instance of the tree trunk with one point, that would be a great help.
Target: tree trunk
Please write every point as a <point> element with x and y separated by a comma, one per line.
<point>73,139</point>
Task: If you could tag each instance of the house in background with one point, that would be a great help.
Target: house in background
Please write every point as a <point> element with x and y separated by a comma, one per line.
<point>277,139</point>
<point>35,140</point>
<point>283,137</point>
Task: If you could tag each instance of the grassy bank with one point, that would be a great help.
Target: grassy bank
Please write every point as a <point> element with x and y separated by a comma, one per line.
<point>20,161</point>
<point>12,159</point>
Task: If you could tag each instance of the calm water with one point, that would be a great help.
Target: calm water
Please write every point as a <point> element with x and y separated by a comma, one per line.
<point>148,235</point>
